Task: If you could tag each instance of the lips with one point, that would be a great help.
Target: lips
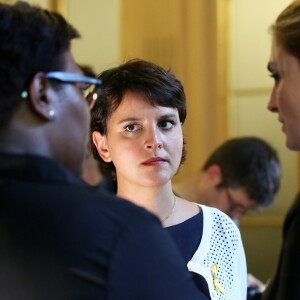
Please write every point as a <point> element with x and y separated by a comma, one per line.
<point>153,161</point>
<point>281,122</point>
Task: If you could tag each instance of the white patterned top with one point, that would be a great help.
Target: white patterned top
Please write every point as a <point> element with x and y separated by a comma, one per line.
<point>220,257</point>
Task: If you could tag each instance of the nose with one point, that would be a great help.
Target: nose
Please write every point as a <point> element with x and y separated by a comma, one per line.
<point>272,105</point>
<point>153,140</point>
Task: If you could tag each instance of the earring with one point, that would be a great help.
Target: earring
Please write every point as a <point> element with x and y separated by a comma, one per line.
<point>51,113</point>
<point>24,95</point>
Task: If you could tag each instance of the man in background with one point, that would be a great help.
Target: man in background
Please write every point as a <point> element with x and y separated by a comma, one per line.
<point>242,174</point>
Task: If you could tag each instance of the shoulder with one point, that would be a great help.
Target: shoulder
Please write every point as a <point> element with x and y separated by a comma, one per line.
<point>221,228</point>
<point>94,211</point>
<point>220,232</point>
<point>214,215</point>
<point>119,209</point>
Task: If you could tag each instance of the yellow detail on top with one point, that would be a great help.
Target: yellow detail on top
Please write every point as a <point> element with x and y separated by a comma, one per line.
<point>217,285</point>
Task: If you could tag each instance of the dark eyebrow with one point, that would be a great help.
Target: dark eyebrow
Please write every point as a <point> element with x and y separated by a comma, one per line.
<point>167,116</point>
<point>130,119</point>
<point>133,119</point>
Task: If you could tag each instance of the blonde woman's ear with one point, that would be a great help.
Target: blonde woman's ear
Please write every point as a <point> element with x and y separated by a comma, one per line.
<point>99,141</point>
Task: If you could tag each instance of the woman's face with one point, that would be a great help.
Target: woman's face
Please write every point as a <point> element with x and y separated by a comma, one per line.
<point>285,97</point>
<point>143,141</point>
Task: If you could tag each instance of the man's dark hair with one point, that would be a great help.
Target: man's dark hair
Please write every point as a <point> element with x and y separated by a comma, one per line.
<point>32,40</point>
<point>159,86</point>
<point>248,163</point>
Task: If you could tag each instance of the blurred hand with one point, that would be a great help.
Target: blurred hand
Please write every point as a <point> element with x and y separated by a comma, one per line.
<point>253,282</point>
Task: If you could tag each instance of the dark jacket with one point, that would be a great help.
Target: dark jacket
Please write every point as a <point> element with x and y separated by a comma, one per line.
<point>60,239</point>
<point>285,284</point>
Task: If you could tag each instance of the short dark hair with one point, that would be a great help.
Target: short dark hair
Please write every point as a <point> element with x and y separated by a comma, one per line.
<point>249,163</point>
<point>32,40</point>
<point>159,86</point>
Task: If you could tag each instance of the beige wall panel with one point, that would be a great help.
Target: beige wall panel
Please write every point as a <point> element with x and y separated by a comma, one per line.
<point>42,3</point>
<point>262,249</point>
<point>205,79</point>
<point>98,22</point>
<point>153,30</point>
<point>251,41</point>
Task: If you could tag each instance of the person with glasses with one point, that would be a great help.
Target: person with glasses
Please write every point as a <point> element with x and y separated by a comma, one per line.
<point>240,175</point>
<point>60,239</point>
<point>136,129</point>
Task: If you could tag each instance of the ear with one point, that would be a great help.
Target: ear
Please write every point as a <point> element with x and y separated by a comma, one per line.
<point>41,97</point>
<point>100,142</point>
<point>214,174</point>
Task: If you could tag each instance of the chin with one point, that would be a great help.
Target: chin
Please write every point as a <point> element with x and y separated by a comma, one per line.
<point>294,146</point>
<point>156,181</point>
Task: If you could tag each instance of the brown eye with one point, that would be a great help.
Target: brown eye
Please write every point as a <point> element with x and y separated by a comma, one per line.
<point>132,127</point>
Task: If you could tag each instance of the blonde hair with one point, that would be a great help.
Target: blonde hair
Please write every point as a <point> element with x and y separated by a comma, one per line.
<point>286,29</point>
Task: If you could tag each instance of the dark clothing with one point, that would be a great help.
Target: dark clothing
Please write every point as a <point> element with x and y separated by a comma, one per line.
<point>60,239</point>
<point>108,185</point>
<point>285,283</point>
<point>187,236</point>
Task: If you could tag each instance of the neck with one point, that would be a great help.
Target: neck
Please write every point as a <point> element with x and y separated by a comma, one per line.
<point>188,189</point>
<point>24,134</point>
<point>28,133</point>
<point>157,200</point>
<point>18,141</point>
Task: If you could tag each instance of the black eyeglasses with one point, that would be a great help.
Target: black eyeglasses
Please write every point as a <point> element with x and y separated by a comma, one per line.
<point>242,208</point>
<point>234,206</point>
<point>89,86</point>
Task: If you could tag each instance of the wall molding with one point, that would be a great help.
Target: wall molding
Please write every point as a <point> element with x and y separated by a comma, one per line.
<point>262,221</point>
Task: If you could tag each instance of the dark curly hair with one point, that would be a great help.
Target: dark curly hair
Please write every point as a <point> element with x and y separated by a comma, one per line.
<point>32,40</point>
<point>159,86</point>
